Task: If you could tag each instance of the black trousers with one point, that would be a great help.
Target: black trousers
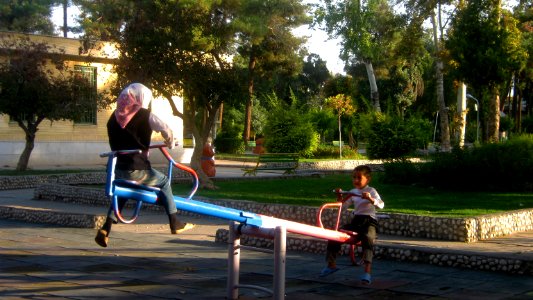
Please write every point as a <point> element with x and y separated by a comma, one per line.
<point>366,228</point>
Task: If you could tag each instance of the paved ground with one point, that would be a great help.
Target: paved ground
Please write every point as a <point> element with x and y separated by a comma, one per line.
<point>145,261</point>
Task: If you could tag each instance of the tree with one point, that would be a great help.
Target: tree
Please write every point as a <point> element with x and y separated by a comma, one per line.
<point>367,30</point>
<point>27,16</point>
<point>266,41</point>
<point>35,86</point>
<point>65,5</point>
<point>343,105</point>
<point>489,61</point>
<point>523,80</point>
<point>432,10</point>
<point>314,75</point>
<point>175,48</point>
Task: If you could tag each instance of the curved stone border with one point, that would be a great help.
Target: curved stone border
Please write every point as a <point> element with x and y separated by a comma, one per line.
<point>43,216</point>
<point>32,181</point>
<point>438,228</point>
<point>398,253</point>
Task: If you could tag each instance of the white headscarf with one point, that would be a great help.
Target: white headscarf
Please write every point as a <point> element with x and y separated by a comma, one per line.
<point>130,100</point>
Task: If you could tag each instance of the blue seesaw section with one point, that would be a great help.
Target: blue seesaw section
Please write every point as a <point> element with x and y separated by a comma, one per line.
<point>193,206</point>
<point>119,188</point>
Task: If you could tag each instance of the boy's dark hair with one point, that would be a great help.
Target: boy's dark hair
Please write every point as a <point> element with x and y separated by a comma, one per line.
<point>363,169</point>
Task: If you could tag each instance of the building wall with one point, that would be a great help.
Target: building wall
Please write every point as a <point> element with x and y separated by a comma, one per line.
<point>65,143</point>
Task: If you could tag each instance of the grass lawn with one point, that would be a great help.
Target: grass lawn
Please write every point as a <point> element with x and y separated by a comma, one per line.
<point>397,198</point>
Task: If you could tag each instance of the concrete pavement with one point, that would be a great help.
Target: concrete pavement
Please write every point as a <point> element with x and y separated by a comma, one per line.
<point>145,261</point>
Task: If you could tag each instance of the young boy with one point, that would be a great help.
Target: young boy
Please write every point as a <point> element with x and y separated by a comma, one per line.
<point>364,222</point>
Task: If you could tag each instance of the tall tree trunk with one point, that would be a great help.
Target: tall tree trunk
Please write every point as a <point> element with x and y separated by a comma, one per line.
<point>249,102</point>
<point>201,135</point>
<point>461,113</point>
<point>65,24</point>
<point>24,158</point>
<point>340,137</point>
<point>443,112</point>
<point>374,93</point>
<point>494,105</point>
<point>30,130</point>
<point>493,125</point>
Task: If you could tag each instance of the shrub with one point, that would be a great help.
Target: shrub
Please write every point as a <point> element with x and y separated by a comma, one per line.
<point>527,124</point>
<point>505,166</point>
<point>401,171</point>
<point>390,137</point>
<point>230,141</point>
<point>329,151</point>
<point>289,131</point>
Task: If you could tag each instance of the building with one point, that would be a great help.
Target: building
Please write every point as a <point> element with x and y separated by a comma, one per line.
<point>78,143</point>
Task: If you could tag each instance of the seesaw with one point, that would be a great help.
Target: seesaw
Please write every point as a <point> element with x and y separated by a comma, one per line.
<point>241,222</point>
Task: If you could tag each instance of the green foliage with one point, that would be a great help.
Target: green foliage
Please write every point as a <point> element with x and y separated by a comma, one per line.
<point>259,117</point>
<point>496,53</point>
<point>390,137</point>
<point>27,16</point>
<point>229,140</point>
<point>527,124</point>
<point>34,87</point>
<point>506,123</point>
<point>401,171</point>
<point>506,166</point>
<point>288,130</point>
<point>324,122</point>
<point>330,151</point>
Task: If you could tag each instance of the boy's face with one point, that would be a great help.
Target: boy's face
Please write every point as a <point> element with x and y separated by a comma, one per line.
<point>359,180</point>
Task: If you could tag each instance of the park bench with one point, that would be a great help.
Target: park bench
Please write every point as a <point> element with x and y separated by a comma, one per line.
<point>287,162</point>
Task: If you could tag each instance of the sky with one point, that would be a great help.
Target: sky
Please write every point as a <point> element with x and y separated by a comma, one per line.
<point>317,43</point>
<point>327,49</point>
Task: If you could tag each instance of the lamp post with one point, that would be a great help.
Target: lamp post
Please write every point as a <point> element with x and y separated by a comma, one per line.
<point>477,111</point>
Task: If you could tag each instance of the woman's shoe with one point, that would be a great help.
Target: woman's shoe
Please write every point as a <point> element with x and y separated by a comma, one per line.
<point>101,238</point>
<point>186,226</point>
<point>176,226</point>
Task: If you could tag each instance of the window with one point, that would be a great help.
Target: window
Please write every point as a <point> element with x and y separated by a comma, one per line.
<point>89,73</point>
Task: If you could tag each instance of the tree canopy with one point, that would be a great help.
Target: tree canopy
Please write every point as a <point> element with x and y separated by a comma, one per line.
<point>35,86</point>
<point>27,16</point>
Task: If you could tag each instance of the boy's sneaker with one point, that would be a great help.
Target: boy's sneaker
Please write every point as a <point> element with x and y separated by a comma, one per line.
<point>327,271</point>
<point>366,279</point>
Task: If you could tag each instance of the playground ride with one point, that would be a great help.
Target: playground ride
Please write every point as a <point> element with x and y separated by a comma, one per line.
<point>241,222</point>
<point>354,244</point>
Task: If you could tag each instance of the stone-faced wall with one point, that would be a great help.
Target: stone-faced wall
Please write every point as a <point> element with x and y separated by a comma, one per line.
<point>396,252</point>
<point>97,177</point>
<point>440,228</point>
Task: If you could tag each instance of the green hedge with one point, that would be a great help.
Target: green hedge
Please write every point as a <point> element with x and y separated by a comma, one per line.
<point>505,166</point>
<point>390,137</point>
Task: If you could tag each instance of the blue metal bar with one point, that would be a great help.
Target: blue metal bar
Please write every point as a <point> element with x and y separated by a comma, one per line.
<point>193,206</point>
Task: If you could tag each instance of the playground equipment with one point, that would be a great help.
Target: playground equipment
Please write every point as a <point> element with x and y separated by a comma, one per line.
<point>242,222</point>
<point>354,244</point>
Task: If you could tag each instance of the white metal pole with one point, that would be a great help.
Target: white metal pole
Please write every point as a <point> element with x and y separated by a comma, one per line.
<point>280,253</point>
<point>234,259</point>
